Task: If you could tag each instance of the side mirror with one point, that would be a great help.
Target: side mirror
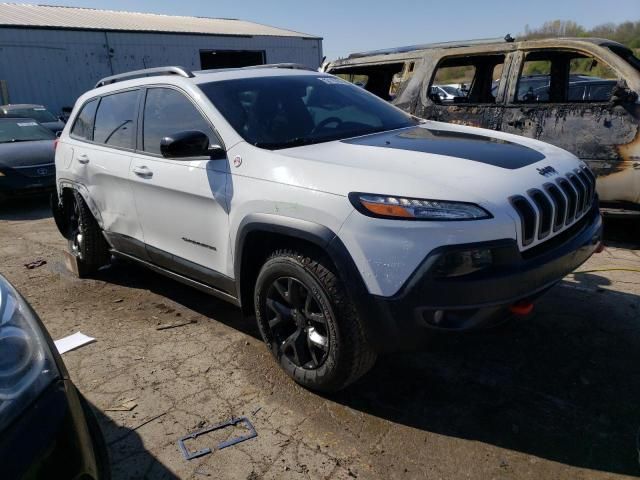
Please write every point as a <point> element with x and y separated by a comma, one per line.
<point>190,143</point>
<point>621,93</point>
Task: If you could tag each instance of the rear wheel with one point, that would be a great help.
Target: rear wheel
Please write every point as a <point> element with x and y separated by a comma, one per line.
<point>309,323</point>
<point>86,242</point>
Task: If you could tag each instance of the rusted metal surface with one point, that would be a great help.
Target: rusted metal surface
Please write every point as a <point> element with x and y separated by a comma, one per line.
<point>606,135</point>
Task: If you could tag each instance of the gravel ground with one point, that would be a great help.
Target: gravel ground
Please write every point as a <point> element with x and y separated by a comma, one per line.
<point>554,395</point>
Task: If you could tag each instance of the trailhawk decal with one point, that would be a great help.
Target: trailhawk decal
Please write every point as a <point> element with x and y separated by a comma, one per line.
<point>478,148</point>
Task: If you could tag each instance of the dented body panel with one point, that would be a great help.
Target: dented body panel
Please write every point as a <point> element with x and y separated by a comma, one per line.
<point>605,134</point>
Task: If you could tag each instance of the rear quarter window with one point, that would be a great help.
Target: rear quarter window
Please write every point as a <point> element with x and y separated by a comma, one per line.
<point>115,120</point>
<point>83,125</point>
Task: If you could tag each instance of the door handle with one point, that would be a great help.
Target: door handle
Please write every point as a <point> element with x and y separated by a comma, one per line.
<point>143,171</point>
<point>83,159</point>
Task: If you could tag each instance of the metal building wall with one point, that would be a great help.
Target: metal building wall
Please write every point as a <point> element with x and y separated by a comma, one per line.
<point>53,67</point>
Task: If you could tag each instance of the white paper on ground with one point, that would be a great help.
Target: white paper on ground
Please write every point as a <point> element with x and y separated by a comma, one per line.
<point>72,341</point>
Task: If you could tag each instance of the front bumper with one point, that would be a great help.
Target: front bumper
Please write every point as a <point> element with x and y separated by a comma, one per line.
<point>471,301</point>
<point>51,438</point>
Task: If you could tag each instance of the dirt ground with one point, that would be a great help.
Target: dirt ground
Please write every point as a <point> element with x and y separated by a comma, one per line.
<point>554,395</point>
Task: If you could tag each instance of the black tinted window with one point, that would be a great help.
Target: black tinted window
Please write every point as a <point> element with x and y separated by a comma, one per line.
<point>83,126</point>
<point>600,92</point>
<point>166,112</point>
<point>115,119</point>
<point>576,93</point>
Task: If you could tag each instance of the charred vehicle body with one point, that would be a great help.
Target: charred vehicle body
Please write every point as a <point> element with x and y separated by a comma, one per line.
<point>577,94</point>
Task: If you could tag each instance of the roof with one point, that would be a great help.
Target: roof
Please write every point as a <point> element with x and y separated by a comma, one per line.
<point>53,16</point>
<point>401,54</point>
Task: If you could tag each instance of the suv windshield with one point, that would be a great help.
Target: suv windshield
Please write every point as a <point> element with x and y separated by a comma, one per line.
<point>288,111</point>
<point>23,130</point>
<point>40,114</point>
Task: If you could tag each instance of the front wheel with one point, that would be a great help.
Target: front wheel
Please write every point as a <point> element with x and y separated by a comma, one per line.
<point>309,323</point>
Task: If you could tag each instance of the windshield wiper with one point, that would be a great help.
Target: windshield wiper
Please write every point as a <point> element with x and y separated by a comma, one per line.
<point>294,142</point>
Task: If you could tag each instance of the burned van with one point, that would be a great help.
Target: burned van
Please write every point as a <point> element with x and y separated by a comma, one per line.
<point>580,94</point>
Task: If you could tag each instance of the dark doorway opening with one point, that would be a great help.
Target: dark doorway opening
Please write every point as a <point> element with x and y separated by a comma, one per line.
<point>210,59</point>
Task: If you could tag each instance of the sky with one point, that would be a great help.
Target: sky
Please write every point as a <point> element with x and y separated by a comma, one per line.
<point>359,25</point>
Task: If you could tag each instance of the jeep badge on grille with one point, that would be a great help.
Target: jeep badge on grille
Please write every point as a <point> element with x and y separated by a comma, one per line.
<point>547,171</point>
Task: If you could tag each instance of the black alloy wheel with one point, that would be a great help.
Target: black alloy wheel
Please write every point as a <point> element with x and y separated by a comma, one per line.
<point>297,323</point>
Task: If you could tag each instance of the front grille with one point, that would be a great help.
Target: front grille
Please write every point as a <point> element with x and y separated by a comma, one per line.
<point>548,211</point>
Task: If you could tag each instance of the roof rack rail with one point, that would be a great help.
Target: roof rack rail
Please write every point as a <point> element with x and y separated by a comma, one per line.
<point>292,66</point>
<point>183,72</point>
<point>410,48</point>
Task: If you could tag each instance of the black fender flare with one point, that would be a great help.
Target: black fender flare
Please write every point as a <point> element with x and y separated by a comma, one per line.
<point>311,232</point>
<point>324,238</point>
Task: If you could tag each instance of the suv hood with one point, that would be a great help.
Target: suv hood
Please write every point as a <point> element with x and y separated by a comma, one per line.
<point>433,160</point>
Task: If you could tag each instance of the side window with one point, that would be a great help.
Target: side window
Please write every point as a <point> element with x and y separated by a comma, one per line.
<point>556,76</point>
<point>533,84</point>
<point>115,120</point>
<point>83,126</point>
<point>473,79</point>
<point>359,80</point>
<point>381,80</point>
<point>167,111</point>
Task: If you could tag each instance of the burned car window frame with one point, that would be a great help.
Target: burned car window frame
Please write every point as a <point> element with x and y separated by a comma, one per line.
<point>442,63</point>
<point>551,54</point>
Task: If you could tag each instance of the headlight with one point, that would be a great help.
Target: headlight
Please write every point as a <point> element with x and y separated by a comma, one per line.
<point>2,174</point>
<point>384,206</point>
<point>26,364</point>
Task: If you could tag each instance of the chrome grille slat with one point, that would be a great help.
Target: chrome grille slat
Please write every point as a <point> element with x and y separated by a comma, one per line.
<point>560,202</point>
<point>554,207</point>
<point>572,196</point>
<point>582,174</point>
<point>545,212</point>
<point>582,192</point>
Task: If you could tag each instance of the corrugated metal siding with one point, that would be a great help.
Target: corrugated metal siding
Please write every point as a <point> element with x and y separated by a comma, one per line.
<point>54,67</point>
<point>12,14</point>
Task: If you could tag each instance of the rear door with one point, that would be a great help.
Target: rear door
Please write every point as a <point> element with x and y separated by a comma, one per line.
<point>474,84</point>
<point>573,110</point>
<point>181,203</point>
<point>102,140</point>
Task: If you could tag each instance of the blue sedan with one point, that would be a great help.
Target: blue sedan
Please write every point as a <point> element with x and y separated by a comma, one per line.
<point>27,156</point>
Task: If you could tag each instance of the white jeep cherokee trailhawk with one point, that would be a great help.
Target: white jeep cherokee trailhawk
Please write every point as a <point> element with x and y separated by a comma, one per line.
<point>347,226</point>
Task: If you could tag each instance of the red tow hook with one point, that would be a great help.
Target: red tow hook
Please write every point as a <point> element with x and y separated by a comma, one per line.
<point>523,307</point>
<point>600,247</point>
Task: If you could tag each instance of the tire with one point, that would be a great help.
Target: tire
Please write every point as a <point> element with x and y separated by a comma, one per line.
<point>86,242</point>
<point>100,449</point>
<point>308,322</point>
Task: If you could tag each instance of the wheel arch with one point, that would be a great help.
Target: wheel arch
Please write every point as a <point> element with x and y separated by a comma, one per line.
<point>65,188</point>
<point>260,234</point>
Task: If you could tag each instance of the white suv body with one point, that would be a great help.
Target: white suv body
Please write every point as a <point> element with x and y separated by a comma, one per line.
<point>373,204</point>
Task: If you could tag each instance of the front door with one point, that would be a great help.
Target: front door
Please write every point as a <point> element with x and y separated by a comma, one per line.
<point>563,97</point>
<point>182,203</point>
